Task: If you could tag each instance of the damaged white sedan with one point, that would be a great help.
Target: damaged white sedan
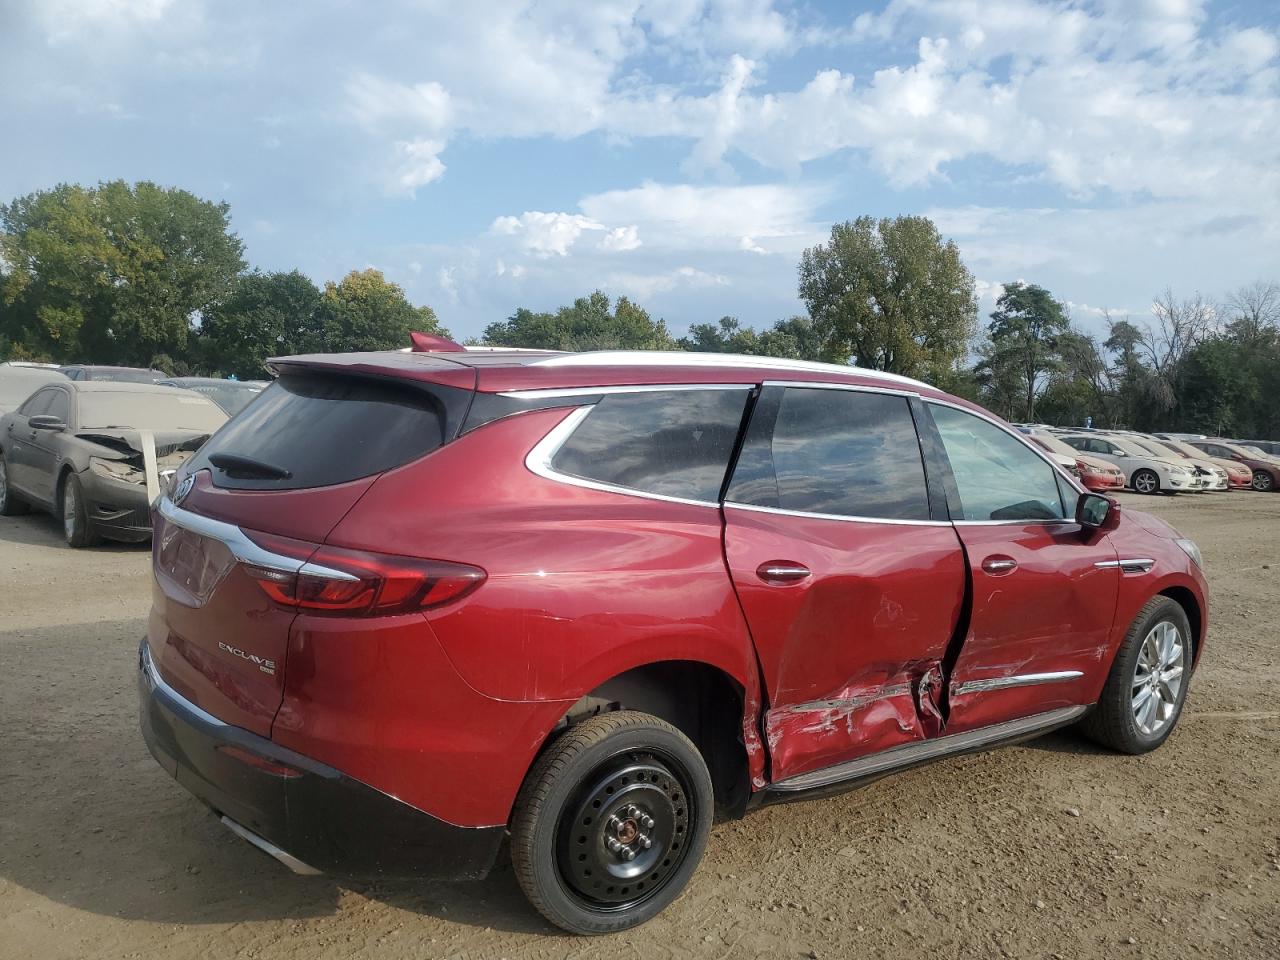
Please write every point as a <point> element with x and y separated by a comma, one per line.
<point>96,453</point>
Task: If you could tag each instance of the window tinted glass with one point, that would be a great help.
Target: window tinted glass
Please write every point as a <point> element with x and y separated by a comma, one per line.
<point>998,477</point>
<point>839,452</point>
<point>37,403</point>
<point>330,429</point>
<point>675,443</point>
<point>148,411</point>
<point>59,406</point>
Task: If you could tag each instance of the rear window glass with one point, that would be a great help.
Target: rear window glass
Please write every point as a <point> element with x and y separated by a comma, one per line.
<point>675,443</point>
<point>323,430</point>
<point>836,452</point>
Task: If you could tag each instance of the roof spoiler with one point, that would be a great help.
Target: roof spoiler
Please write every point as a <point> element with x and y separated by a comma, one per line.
<point>432,343</point>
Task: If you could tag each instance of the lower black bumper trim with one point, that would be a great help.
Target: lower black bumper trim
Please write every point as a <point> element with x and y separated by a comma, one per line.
<point>320,818</point>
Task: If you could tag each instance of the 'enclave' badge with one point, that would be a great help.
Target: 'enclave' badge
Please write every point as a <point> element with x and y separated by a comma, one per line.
<point>184,488</point>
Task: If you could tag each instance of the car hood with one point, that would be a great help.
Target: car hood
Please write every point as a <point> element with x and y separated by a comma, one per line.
<point>127,440</point>
<point>1152,524</point>
<point>1098,463</point>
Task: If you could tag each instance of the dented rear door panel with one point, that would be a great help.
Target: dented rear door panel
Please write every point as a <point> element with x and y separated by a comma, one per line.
<point>852,654</point>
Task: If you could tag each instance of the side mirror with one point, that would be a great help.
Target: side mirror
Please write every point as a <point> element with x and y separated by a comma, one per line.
<point>46,422</point>
<point>1097,512</point>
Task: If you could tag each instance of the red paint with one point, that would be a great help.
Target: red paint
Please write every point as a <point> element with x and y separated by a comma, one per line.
<point>447,708</point>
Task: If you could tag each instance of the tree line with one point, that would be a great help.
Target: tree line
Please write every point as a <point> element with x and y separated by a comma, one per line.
<point>144,275</point>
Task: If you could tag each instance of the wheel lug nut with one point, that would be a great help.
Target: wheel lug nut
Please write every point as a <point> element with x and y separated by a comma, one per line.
<point>644,841</point>
<point>614,846</point>
<point>646,821</point>
<point>628,853</point>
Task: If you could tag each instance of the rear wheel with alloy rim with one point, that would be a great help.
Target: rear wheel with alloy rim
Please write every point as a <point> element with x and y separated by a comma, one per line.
<point>1147,686</point>
<point>1146,481</point>
<point>9,504</point>
<point>75,516</point>
<point>1263,480</point>
<point>611,822</point>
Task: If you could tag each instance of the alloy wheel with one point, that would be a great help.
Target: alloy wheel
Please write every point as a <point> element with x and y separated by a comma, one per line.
<point>1145,482</point>
<point>1262,481</point>
<point>1157,678</point>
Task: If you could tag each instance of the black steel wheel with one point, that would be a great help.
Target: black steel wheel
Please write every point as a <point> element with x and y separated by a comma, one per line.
<point>611,822</point>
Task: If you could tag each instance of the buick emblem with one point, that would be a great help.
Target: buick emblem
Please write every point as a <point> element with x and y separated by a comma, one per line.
<point>183,488</point>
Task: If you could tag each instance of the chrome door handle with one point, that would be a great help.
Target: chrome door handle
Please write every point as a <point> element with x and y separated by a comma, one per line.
<point>998,566</point>
<point>782,572</point>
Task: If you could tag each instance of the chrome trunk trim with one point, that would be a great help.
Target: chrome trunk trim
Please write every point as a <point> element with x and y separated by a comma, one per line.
<point>266,846</point>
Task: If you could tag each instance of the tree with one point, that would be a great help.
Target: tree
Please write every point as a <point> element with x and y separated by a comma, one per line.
<point>1026,329</point>
<point>115,273</point>
<point>726,336</point>
<point>891,294</point>
<point>265,315</point>
<point>589,323</point>
<point>364,311</point>
<point>1177,327</point>
<point>794,338</point>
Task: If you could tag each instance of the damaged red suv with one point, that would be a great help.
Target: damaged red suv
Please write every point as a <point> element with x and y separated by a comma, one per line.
<point>408,603</point>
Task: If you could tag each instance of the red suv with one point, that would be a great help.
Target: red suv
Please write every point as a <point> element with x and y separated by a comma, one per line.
<point>408,603</point>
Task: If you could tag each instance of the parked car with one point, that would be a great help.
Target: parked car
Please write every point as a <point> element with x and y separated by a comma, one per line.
<point>1239,477</point>
<point>408,602</point>
<point>231,395</point>
<point>1212,477</point>
<point>80,371</point>
<point>1146,472</point>
<point>1095,473</point>
<point>19,382</point>
<point>94,453</point>
<point>1266,472</point>
<point>1270,447</point>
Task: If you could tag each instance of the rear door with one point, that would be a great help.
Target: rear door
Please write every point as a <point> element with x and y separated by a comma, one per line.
<point>1044,589</point>
<point>19,440</point>
<point>250,509</point>
<point>851,583</point>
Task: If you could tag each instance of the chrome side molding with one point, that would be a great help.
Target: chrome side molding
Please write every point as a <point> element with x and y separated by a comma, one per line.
<point>1128,565</point>
<point>1017,680</point>
<point>924,750</point>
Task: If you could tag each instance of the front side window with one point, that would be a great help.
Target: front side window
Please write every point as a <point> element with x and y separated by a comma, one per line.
<point>998,477</point>
<point>841,453</point>
<point>37,403</point>
<point>59,406</point>
<point>674,443</point>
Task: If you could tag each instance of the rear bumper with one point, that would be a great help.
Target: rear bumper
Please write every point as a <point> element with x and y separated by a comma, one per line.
<point>303,809</point>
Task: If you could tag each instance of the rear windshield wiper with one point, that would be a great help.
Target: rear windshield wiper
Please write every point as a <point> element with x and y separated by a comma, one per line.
<point>248,467</point>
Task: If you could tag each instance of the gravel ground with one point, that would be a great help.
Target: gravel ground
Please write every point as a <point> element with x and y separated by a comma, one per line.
<point>1048,849</point>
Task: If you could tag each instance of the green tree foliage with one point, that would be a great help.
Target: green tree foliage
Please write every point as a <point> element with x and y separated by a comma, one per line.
<point>795,338</point>
<point>891,295</point>
<point>114,273</point>
<point>365,311</point>
<point>265,315</point>
<point>1027,329</point>
<point>590,323</point>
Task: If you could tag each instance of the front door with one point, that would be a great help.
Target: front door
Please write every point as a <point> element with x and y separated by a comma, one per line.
<point>851,585</point>
<point>43,459</point>
<point>1044,588</point>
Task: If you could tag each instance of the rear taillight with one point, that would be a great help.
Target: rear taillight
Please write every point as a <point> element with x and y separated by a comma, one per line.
<point>338,581</point>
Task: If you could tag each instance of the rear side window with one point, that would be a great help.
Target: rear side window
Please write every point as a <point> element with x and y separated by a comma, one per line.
<point>324,430</point>
<point>37,404</point>
<point>839,452</point>
<point>674,443</point>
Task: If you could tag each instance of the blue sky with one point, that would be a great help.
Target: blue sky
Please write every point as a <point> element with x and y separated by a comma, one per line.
<point>500,153</point>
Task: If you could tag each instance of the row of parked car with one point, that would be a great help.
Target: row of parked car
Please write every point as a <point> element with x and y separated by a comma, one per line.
<point>1168,463</point>
<point>93,444</point>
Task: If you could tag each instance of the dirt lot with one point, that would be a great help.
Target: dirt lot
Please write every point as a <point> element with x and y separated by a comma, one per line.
<point>1050,849</point>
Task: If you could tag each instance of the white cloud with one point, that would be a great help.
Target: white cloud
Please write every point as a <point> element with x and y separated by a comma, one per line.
<point>379,104</point>
<point>621,239</point>
<point>644,286</point>
<point>417,163</point>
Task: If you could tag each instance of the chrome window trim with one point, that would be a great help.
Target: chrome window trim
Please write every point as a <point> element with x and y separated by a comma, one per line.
<point>731,504</point>
<point>828,385</point>
<point>1128,565</point>
<point>241,547</point>
<point>1017,680</point>
<point>552,393</point>
<point>538,461</point>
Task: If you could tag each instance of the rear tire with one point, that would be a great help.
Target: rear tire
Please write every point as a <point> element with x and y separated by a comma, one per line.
<point>1263,481</point>
<point>1143,697</point>
<point>611,822</point>
<point>75,515</point>
<point>10,505</point>
<point>1145,481</point>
